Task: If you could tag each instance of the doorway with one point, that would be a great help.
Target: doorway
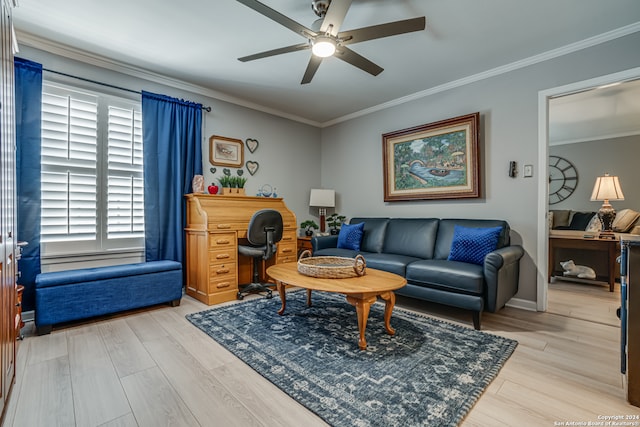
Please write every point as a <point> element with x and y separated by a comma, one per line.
<point>544,99</point>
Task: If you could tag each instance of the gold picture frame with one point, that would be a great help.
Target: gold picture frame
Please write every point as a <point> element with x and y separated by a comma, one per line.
<point>225,151</point>
<point>433,161</point>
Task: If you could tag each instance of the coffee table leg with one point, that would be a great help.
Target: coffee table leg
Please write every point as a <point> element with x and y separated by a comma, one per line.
<point>308,297</point>
<point>389,302</point>
<point>362,306</point>
<point>283,296</point>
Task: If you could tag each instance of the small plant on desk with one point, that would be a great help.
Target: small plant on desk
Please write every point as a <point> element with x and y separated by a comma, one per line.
<point>308,226</point>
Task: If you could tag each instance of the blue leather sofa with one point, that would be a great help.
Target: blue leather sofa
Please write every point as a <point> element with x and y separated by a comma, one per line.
<point>418,250</point>
<point>63,296</point>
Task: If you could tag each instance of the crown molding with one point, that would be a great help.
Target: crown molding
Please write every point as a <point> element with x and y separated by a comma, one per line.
<point>532,60</point>
<point>79,55</point>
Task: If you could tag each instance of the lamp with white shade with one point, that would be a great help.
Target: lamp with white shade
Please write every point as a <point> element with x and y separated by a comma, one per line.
<point>606,189</point>
<point>323,199</point>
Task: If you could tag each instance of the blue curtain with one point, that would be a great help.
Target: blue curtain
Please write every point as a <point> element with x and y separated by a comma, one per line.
<point>28,99</point>
<point>172,138</point>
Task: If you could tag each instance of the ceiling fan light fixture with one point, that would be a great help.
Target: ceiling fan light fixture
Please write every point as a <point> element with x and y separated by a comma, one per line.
<point>323,46</point>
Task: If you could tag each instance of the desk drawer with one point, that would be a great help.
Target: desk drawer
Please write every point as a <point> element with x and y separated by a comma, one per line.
<point>286,249</point>
<point>222,240</point>
<point>222,277</point>
<point>289,236</point>
<point>223,255</point>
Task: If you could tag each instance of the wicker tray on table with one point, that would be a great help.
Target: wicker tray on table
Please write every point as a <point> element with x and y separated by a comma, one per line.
<point>331,267</point>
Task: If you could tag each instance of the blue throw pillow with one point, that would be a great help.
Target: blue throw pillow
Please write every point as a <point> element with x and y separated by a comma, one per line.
<point>350,236</point>
<point>473,244</point>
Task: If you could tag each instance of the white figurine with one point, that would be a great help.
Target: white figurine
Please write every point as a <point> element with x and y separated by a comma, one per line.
<point>581,271</point>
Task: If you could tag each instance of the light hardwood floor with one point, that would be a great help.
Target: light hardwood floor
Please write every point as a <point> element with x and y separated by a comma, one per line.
<point>152,367</point>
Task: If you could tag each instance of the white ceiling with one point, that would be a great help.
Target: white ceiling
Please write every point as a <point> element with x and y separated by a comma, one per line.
<point>199,41</point>
<point>607,112</point>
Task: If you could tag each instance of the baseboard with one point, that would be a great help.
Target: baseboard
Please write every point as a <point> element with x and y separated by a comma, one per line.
<point>522,304</point>
<point>28,316</point>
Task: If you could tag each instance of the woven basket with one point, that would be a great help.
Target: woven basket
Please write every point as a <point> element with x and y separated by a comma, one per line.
<point>331,267</point>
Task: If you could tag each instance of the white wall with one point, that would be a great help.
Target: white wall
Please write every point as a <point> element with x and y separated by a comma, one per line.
<point>617,156</point>
<point>508,105</point>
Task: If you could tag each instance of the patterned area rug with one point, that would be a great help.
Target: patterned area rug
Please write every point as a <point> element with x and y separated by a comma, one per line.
<point>430,373</point>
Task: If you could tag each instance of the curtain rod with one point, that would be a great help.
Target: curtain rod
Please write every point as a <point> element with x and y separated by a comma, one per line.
<point>207,109</point>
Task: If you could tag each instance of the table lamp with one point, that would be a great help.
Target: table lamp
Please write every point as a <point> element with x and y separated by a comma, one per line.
<point>607,188</point>
<point>322,199</point>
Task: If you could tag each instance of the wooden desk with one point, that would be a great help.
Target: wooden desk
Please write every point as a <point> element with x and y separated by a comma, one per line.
<point>609,248</point>
<point>215,225</point>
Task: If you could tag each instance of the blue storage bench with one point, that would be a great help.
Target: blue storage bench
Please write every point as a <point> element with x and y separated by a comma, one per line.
<point>63,296</point>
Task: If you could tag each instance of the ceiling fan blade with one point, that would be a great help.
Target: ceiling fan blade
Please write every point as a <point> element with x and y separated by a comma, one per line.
<point>335,16</point>
<point>314,63</point>
<point>382,30</point>
<point>273,52</point>
<point>278,17</point>
<point>347,55</point>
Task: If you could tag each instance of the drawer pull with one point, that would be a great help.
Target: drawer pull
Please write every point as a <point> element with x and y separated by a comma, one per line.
<point>222,241</point>
<point>223,226</point>
<point>223,285</point>
<point>222,271</point>
<point>287,238</point>
<point>287,250</point>
<point>222,256</point>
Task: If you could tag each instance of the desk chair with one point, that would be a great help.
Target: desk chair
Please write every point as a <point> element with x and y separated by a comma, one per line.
<point>264,231</point>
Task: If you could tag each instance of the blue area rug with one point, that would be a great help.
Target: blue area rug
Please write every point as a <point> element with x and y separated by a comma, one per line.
<point>429,374</point>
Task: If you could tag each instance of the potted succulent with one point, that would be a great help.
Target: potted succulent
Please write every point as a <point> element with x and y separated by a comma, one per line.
<point>308,226</point>
<point>335,221</point>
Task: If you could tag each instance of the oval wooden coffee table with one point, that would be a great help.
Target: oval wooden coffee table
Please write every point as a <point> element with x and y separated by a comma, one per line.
<point>361,291</point>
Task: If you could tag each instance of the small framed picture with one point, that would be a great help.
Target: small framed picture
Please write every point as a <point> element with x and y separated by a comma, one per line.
<point>226,151</point>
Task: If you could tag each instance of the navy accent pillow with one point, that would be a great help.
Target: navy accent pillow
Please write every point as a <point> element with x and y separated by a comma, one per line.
<point>473,244</point>
<point>350,236</point>
<point>580,220</point>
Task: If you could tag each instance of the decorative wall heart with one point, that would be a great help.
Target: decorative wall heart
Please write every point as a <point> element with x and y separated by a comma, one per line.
<point>213,170</point>
<point>252,167</point>
<point>252,144</point>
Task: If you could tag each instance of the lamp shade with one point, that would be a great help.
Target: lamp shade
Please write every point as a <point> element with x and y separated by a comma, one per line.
<point>322,198</point>
<point>607,188</point>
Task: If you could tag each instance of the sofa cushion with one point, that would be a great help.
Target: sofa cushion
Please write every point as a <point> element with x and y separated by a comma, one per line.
<point>392,263</point>
<point>447,275</point>
<point>560,218</point>
<point>411,236</point>
<point>472,244</point>
<point>625,220</point>
<point>350,236</point>
<point>374,231</point>
<point>580,220</point>
<point>446,230</point>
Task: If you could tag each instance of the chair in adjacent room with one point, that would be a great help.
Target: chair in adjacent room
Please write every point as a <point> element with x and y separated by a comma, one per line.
<point>263,234</point>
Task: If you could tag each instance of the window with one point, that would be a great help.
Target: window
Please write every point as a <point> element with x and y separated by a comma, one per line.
<point>92,183</point>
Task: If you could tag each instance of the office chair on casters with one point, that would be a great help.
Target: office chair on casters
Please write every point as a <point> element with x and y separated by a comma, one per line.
<point>264,231</point>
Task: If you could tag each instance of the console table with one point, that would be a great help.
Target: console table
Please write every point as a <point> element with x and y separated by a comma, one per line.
<point>215,224</point>
<point>608,248</point>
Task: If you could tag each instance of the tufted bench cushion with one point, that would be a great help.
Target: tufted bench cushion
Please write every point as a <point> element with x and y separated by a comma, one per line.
<point>63,296</point>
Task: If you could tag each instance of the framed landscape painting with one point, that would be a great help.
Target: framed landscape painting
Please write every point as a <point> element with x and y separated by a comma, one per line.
<point>433,161</point>
<point>226,151</point>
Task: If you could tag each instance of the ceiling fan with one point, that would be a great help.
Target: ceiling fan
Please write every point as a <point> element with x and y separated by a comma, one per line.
<point>324,37</point>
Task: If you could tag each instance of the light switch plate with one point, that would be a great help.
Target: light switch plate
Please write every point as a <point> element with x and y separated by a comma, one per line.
<point>528,171</point>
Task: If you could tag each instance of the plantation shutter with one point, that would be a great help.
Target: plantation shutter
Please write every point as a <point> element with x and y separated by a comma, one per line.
<point>69,167</point>
<point>125,206</point>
